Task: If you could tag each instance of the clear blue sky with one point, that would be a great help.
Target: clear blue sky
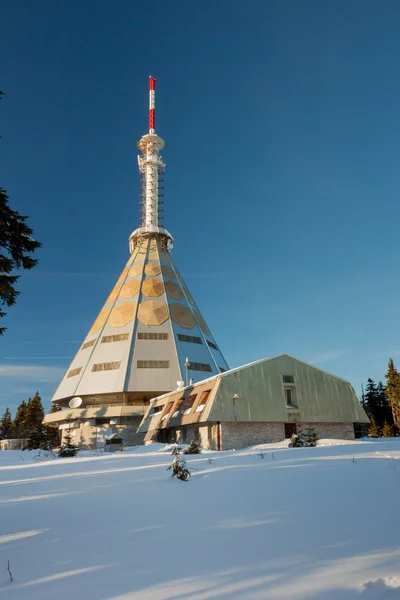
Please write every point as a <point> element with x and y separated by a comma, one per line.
<point>281,121</point>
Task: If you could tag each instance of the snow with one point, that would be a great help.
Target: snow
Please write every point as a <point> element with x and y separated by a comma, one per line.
<point>317,523</point>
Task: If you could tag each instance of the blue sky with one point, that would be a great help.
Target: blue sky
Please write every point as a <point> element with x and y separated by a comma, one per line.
<point>282,183</point>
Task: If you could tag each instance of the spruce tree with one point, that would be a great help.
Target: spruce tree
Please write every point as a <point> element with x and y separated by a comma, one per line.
<point>6,425</point>
<point>373,429</point>
<point>393,391</point>
<point>387,430</point>
<point>384,410</point>
<point>19,424</point>
<point>371,400</point>
<point>16,247</point>
<point>35,430</point>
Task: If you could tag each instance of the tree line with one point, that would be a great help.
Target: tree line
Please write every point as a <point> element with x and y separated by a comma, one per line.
<point>382,404</point>
<point>28,427</point>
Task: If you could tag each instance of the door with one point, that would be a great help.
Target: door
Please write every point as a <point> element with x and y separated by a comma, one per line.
<point>290,429</point>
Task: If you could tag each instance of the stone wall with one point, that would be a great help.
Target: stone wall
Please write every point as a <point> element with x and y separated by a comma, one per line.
<point>338,431</point>
<point>235,436</point>
<point>241,435</point>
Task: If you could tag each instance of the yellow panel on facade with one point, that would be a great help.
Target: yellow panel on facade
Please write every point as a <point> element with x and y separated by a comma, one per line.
<point>152,287</point>
<point>152,312</point>
<point>173,290</point>
<point>114,293</point>
<point>152,269</point>
<point>130,288</point>
<point>99,322</point>
<point>182,316</point>
<point>201,322</point>
<point>122,314</point>
<point>168,272</point>
<point>135,270</point>
<point>123,275</point>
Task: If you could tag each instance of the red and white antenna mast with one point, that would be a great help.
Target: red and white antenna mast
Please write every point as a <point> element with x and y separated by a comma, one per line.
<point>151,167</point>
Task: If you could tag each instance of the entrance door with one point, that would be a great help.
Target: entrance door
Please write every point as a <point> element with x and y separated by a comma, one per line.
<point>290,429</point>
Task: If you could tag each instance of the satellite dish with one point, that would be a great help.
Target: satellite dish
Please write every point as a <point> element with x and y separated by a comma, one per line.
<point>75,402</point>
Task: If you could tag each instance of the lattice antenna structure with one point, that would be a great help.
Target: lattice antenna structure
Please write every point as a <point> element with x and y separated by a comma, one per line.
<point>151,168</point>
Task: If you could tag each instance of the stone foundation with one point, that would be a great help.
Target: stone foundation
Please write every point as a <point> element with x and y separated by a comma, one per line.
<point>86,436</point>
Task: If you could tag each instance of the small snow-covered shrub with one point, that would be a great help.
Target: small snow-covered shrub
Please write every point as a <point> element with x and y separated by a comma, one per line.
<point>68,449</point>
<point>193,448</point>
<point>304,439</point>
<point>178,466</point>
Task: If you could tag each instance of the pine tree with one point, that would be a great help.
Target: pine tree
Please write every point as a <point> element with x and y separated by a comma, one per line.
<point>193,448</point>
<point>384,409</point>
<point>6,425</point>
<point>16,247</point>
<point>373,429</point>
<point>393,391</point>
<point>371,399</point>
<point>387,430</point>
<point>35,430</point>
<point>19,424</point>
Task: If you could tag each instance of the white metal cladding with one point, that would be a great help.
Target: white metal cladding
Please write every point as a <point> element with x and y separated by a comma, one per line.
<point>128,378</point>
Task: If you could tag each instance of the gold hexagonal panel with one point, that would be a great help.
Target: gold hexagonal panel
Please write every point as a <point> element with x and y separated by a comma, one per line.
<point>122,314</point>
<point>99,322</point>
<point>182,316</point>
<point>168,272</point>
<point>152,287</point>
<point>114,293</point>
<point>174,290</point>
<point>123,275</point>
<point>201,322</point>
<point>135,270</point>
<point>130,288</point>
<point>152,312</point>
<point>152,269</point>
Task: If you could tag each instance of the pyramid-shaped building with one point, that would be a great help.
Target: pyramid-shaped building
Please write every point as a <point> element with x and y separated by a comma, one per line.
<point>149,337</point>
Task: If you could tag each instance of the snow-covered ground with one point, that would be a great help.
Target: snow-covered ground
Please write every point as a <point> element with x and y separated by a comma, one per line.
<point>319,523</point>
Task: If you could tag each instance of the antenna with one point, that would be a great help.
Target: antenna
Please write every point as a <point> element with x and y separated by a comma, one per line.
<point>152,104</point>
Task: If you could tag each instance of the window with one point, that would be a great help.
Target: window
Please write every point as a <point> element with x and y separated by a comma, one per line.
<point>107,366</point>
<point>152,336</point>
<point>114,338</point>
<point>212,345</point>
<point>210,432</point>
<point>74,372</point>
<point>289,395</point>
<point>167,411</point>
<point>153,364</point>
<point>178,407</point>
<point>158,409</point>
<point>88,344</point>
<point>288,378</point>
<point>203,400</point>
<point>195,366</point>
<point>189,404</point>
<point>189,338</point>
<point>222,370</point>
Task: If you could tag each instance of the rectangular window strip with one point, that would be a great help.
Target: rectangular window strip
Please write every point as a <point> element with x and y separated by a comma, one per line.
<point>222,370</point>
<point>120,337</point>
<point>152,336</point>
<point>74,372</point>
<point>153,364</point>
<point>195,366</point>
<point>192,339</point>
<point>178,407</point>
<point>106,366</point>
<point>288,378</point>
<point>189,404</point>
<point>212,345</point>
<point>203,400</point>
<point>167,411</point>
<point>88,344</point>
